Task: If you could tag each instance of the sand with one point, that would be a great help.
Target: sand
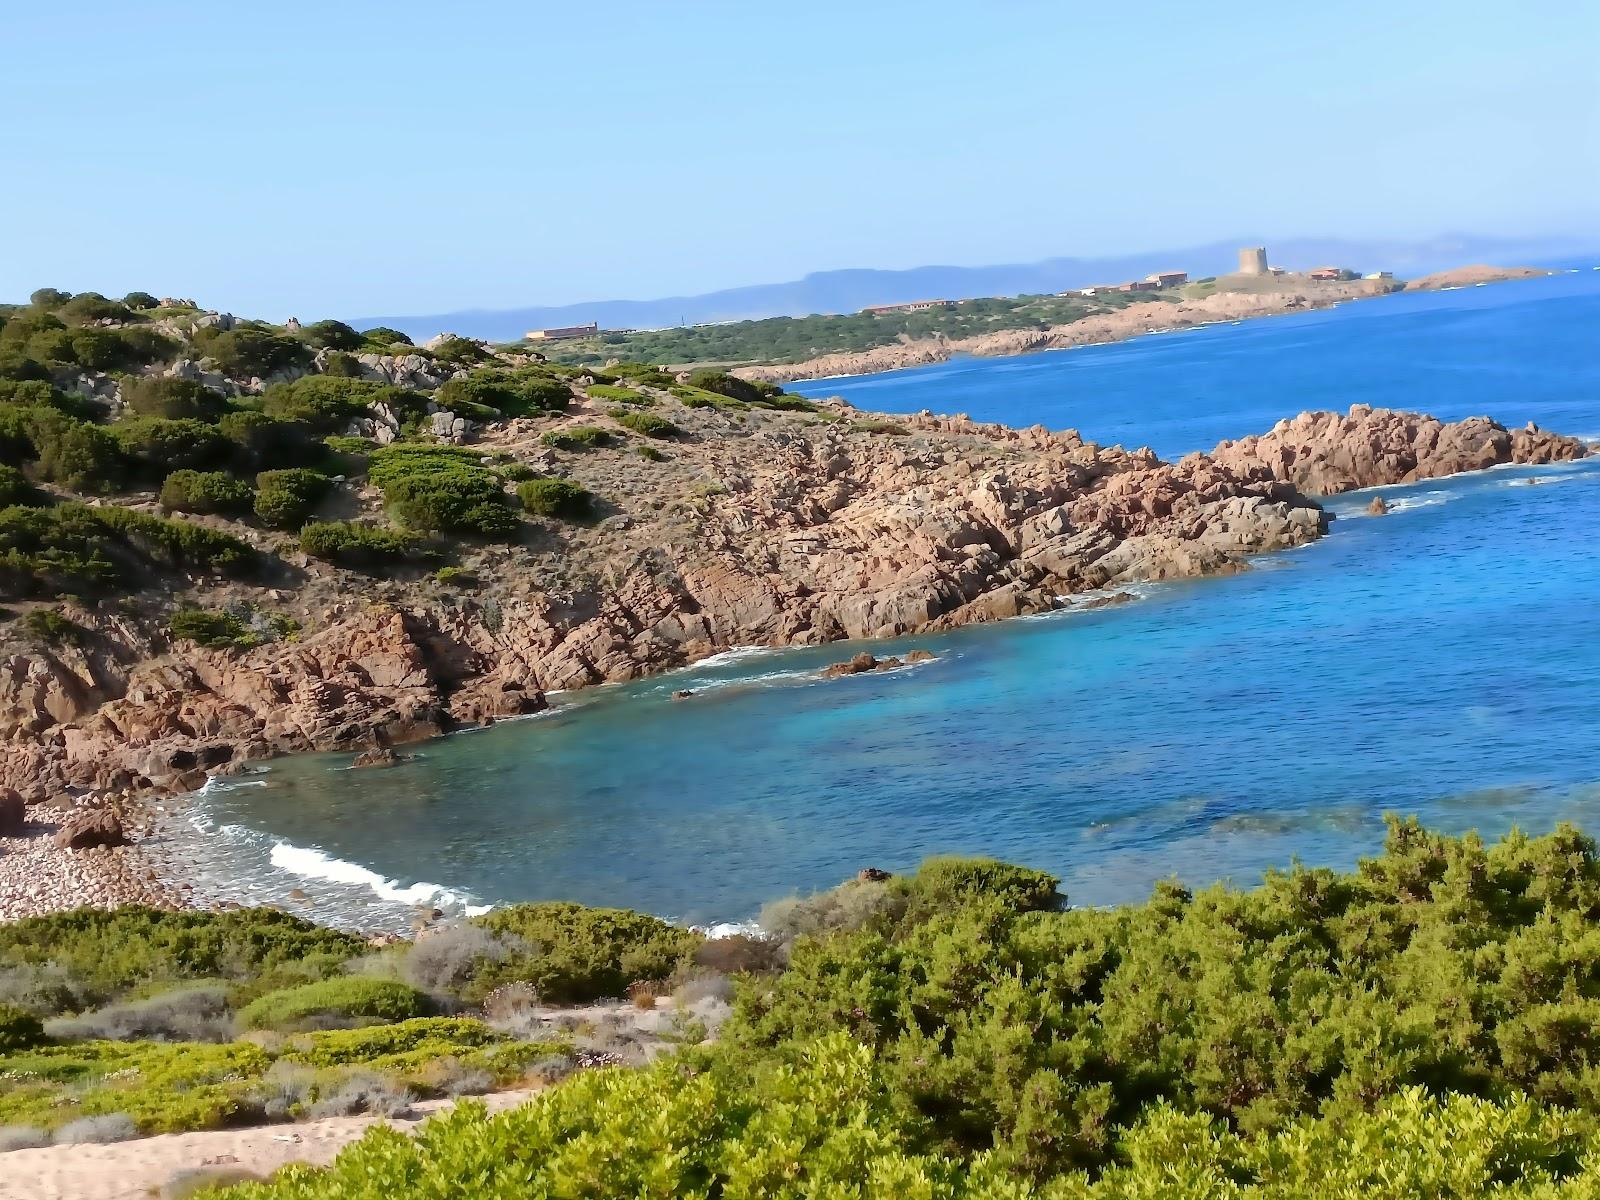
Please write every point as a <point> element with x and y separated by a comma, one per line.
<point>138,1169</point>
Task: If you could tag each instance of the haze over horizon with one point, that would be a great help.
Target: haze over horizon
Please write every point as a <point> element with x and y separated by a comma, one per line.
<point>281,164</point>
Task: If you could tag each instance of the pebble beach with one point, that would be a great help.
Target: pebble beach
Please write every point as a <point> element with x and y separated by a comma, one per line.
<point>37,876</point>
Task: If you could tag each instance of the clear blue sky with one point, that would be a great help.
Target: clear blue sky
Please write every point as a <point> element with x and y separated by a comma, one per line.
<point>346,158</point>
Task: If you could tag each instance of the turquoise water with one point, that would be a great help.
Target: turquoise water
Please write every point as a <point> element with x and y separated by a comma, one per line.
<point>1438,661</point>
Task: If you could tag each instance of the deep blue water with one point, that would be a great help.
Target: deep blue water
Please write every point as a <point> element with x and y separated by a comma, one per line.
<point>1438,661</point>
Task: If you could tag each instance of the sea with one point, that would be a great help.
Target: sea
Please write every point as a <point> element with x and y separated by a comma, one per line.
<point>1440,661</point>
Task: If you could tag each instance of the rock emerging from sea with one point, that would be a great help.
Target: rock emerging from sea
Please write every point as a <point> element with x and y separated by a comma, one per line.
<point>1326,453</point>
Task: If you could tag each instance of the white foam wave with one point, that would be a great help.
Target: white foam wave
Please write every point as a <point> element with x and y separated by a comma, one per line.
<point>732,655</point>
<point>727,929</point>
<point>310,863</point>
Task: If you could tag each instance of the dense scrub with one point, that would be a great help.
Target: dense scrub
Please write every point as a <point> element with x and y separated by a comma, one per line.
<point>442,489</point>
<point>1421,1026</point>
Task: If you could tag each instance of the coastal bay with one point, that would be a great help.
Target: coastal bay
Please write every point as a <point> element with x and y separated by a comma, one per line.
<point>1206,729</point>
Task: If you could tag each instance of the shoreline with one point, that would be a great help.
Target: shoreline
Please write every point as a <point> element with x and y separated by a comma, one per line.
<point>1151,521</point>
<point>146,872</point>
<point>1146,318</point>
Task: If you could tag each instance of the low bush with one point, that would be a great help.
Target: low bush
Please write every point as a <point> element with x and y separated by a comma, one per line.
<point>14,487</point>
<point>637,372</point>
<point>887,428</point>
<point>286,499</point>
<point>76,547</point>
<point>51,626</point>
<point>251,350</point>
<point>508,393</point>
<point>345,998</point>
<point>357,545</point>
<point>364,1092</point>
<point>213,630</point>
<point>620,395</point>
<point>556,498</point>
<point>19,1030</point>
<point>205,492</point>
<point>74,453</point>
<point>709,379</point>
<point>89,958</point>
<point>260,442</point>
<point>162,444</point>
<point>113,1127</point>
<point>649,453</point>
<point>328,403</point>
<point>572,954</point>
<point>331,335</point>
<point>198,1013</point>
<point>577,437</point>
<point>443,489</point>
<point>22,1137</point>
<point>646,423</point>
<point>380,338</point>
<point>174,399</point>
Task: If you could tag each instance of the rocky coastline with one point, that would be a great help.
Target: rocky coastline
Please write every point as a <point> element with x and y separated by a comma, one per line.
<point>854,529</point>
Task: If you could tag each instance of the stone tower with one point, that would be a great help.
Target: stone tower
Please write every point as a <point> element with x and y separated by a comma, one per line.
<point>1253,260</point>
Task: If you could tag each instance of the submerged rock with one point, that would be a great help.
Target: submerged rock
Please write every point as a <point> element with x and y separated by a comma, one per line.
<point>1379,507</point>
<point>379,756</point>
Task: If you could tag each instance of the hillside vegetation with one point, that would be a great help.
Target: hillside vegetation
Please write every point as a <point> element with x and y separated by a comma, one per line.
<point>215,437</point>
<point>1420,1026</point>
<point>795,339</point>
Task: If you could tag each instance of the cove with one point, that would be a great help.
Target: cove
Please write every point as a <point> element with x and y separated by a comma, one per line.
<point>1437,661</point>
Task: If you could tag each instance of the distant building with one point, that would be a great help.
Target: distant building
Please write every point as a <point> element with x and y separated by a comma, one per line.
<point>1168,279</point>
<point>1133,285</point>
<point>1099,289</point>
<point>1278,270</point>
<point>1379,275</point>
<point>911,307</point>
<point>1253,260</point>
<point>563,333</point>
<point>1325,274</point>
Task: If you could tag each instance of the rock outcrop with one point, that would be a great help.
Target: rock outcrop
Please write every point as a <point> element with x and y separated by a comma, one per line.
<point>1326,453</point>
<point>758,529</point>
<point>1472,276</point>
<point>90,829</point>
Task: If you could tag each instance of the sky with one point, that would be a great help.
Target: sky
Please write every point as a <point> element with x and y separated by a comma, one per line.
<point>336,159</point>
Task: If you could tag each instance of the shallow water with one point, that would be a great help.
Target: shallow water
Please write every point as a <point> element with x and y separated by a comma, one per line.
<point>1438,661</point>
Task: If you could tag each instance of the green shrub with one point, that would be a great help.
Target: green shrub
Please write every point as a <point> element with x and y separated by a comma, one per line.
<point>638,372</point>
<point>442,489</point>
<point>824,1126</point>
<point>331,335</point>
<point>286,499</point>
<point>160,444</point>
<point>577,437</point>
<point>556,498</point>
<point>646,423</point>
<point>91,306</point>
<point>49,298</point>
<point>14,487</point>
<point>76,454</point>
<point>620,395</point>
<point>721,382</point>
<point>140,300</point>
<point>572,954</point>
<point>345,996</point>
<point>259,441</point>
<point>74,547</point>
<point>214,630</point>
<point>205,492</point>
<point>649,453</point>
<point>51,626</point>
<point>175,399</point>
<point>19,1030</point>
<point>251,350</point>
<point>341,364</point>
<point>889,428</point>
<point>356,545</point>
<point>512,394</point>
<point>328,403</point>
<point>787,403</point>
<point>381,337</point>
<point>104,956</point>
<point>101,349</point>
<point>459,350</point>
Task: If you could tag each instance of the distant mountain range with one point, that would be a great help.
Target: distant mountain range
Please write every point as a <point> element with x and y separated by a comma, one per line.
<point>849,290</point>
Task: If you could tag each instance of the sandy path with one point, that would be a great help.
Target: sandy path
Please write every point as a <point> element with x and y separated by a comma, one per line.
<point>137,1170</point>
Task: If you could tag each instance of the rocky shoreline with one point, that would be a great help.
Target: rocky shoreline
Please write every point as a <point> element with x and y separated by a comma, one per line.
<point>848,530</point>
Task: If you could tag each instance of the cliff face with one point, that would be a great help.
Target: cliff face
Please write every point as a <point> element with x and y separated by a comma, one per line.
<point>771,529</point>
